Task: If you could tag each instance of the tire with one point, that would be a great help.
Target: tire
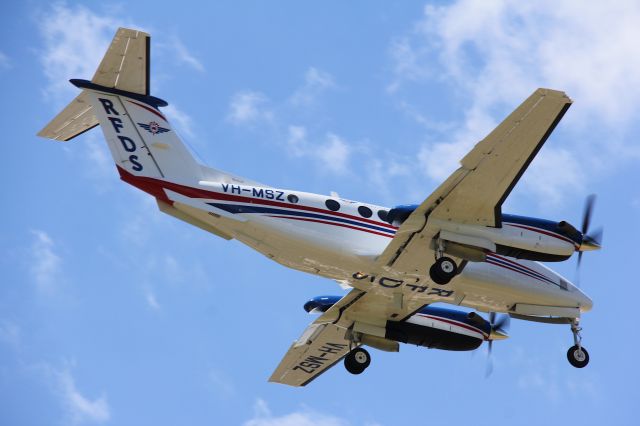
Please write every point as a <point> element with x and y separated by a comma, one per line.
<point>434,273</point>
<point>357,361</point>
<point>443,270</point>
<point>578,357</point>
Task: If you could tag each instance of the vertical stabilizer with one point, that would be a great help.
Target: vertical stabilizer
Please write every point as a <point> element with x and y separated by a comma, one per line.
<point>140,138</point>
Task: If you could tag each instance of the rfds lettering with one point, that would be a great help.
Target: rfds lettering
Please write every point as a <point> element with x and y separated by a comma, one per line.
<point>128,144</point>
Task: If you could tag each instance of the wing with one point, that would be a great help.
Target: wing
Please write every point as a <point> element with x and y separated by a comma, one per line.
<point>326,341</point>
<point>493,167</point>
<point>474,193</point>
<point>319,348</point>
<point>75,119</point>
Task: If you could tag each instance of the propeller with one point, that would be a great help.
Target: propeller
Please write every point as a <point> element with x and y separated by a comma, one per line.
<point>499,326</point>
<point>591,241</point>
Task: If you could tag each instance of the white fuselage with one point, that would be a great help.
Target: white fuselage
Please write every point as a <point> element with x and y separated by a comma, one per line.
<point>298,230</point>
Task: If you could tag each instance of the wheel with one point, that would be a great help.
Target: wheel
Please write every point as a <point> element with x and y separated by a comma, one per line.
<point>434,273</point>
<point>357,361</point>
<point>443,270</point>
<point>578,357</point>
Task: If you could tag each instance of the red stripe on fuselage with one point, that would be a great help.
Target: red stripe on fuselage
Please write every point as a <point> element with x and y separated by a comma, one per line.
<point>306,219</point>
<point>154,186</point>
<point>151,110</point>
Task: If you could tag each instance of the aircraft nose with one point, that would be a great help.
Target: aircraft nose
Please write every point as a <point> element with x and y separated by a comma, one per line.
<point>590,243</point>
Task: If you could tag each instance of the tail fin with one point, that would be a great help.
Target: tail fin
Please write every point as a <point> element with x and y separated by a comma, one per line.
<point>141,140</point>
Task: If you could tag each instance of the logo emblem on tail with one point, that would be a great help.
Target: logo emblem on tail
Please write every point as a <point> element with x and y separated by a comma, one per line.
<point>153,128</point>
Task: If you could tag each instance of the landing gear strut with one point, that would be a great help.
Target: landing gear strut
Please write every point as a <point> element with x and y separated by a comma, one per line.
<point>357,361</point>
<point>577,355</point>
<point>444,269</point>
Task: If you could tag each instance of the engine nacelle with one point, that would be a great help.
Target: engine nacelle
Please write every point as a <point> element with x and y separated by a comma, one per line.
<point>520,237</point>
<point>441,328</point>
<point>432,327</point>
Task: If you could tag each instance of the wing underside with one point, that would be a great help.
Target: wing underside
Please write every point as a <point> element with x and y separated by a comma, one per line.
<point>494,166</point>
<point>330,337</point>
<point>475,192</point>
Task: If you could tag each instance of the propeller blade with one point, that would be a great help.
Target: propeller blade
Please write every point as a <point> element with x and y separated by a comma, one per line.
<point>596,236</point>
<point>503,323</point>
<point>499,325</point>
<point>588,210</point>
<point>489,368</point>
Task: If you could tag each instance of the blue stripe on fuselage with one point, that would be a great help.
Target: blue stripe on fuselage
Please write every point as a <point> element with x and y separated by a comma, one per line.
<point>249,208</point>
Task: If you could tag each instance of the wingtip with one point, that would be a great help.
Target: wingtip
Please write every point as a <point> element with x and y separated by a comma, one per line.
<point>553,92</point>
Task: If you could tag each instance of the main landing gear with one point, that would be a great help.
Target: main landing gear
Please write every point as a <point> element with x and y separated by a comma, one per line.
<point>577,355</point>
<point>444,269</point>
<point>357,361</point>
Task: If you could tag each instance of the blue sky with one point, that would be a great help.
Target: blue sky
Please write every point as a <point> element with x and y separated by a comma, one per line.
<point>112,313</point>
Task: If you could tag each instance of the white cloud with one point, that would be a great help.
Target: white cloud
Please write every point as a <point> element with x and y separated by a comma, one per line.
<point>152,301</point>
<point>407,63</point>
<point>10,333</point>
<point>297,140</point>
<point>554,173</point>
<point>222,384</point>
<point>45,263</point>
<point>75,41</point>
<point>494,54</point>
<point>4,61</point>
<point>182,120</point>
<point>500,51</point>
<point>80,408</point>
<point>305,417</point>
<point>183,55</point>
<point>539,377</point>
<point>248,107</point>
<point>316,82</point>
<point>332,153</point>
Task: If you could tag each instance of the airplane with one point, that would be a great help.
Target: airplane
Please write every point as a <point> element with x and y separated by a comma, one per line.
<point>457,247</point>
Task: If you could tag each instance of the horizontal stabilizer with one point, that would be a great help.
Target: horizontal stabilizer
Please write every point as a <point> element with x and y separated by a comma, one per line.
<point>76,118</point>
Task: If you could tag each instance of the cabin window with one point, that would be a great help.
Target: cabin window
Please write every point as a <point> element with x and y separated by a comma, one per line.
<point>382,214</point>
<point>332,205</point>
<point>365,211</point>
<point>292,198</point>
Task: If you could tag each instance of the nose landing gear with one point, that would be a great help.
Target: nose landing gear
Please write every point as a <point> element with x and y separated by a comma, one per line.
<point>577,355</point>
